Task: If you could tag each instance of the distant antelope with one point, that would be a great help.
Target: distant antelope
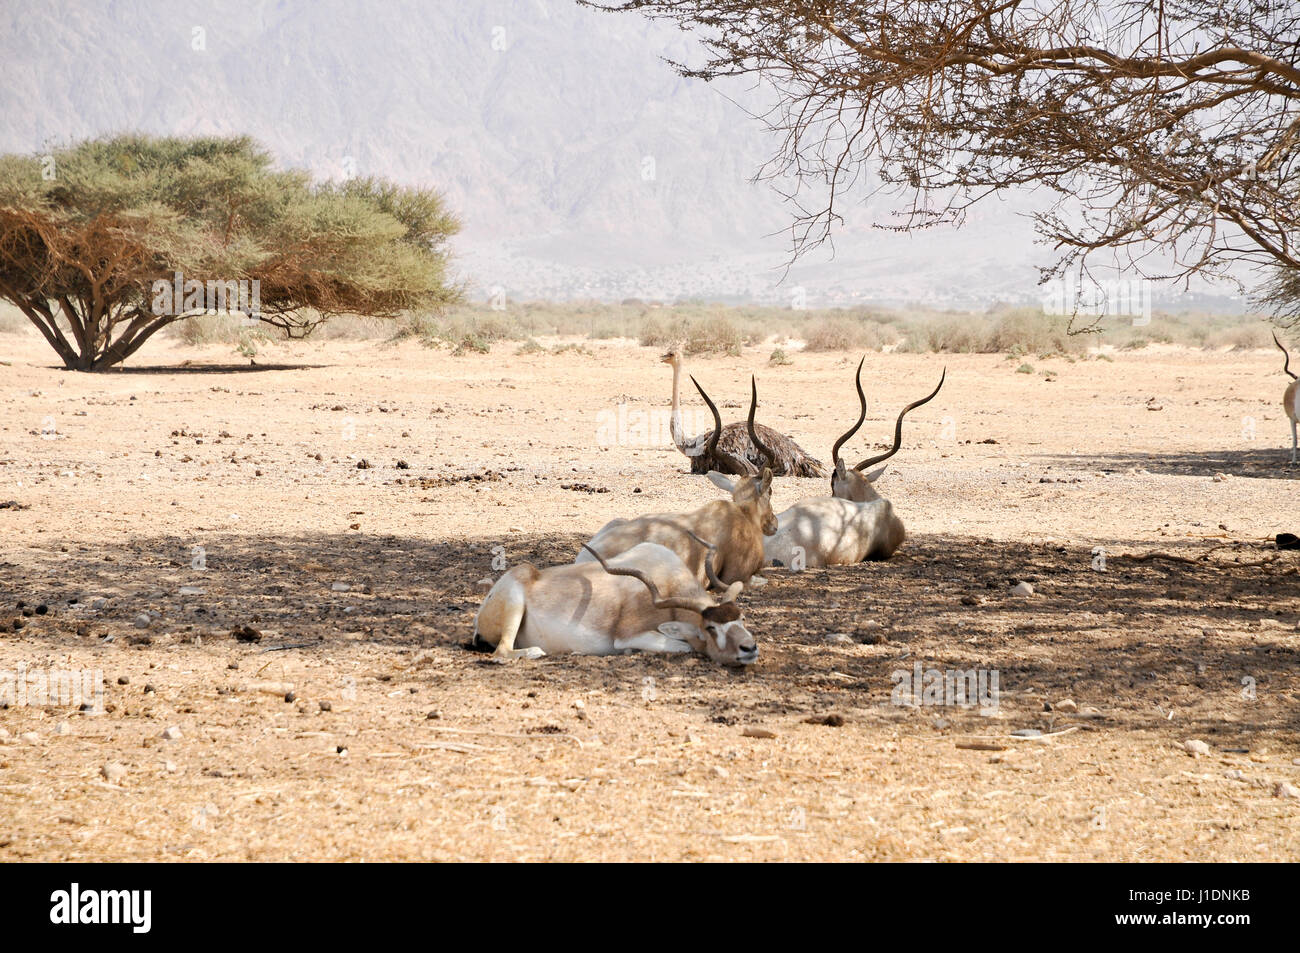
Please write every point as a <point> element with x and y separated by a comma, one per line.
<point>853,524</point>
<point>737,525</point>
<point>783,455</point>
<point>1289,399</point>
<point>645,599</point>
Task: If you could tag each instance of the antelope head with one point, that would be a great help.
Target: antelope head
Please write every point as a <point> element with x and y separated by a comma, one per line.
<point>750,491</point>
<point>858,484</point>
<point>721,635</point>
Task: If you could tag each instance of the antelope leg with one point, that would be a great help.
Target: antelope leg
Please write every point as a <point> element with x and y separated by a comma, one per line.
<point>654,642</point>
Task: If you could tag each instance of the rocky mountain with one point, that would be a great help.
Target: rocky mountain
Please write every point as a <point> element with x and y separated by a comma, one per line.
<point>582,165</point>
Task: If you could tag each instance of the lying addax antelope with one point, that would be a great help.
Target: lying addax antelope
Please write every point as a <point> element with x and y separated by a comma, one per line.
<point>855,522</point>
<point>1290,399</point>
<point>643,600</point>
<point>737,525</point>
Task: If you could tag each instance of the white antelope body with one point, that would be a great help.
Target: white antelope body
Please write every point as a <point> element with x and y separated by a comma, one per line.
<point>853,524</point>
<point>1291,398</point>
<point>645,599</point>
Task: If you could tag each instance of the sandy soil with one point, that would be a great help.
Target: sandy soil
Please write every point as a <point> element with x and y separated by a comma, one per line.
<point>431,751</point>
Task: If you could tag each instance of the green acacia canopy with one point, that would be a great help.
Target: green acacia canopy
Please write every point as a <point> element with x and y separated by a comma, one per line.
<point>91,233</point>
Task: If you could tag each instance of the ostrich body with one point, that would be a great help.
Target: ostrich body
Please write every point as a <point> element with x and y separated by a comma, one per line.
<point>787,457</point>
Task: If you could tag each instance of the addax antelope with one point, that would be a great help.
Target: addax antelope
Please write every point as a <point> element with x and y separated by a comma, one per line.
<point>1290,399</point>
<point>643,600</point>
<point>783,455</point>
<point>855,522</point>
<point>737,525</point>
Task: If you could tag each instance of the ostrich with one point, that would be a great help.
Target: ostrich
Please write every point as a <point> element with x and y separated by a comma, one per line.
<point>787,458</point>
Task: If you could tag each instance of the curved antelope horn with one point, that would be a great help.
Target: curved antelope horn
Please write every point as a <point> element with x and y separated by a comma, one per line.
<point>1286,366</point>
<point>763,448</point>
<point>694,605</point>
<point>848,434</point>
<point>898,427</point>
<point>736,466</point>
<point>710,551</point>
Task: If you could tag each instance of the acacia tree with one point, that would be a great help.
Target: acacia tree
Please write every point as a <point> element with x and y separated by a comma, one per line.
<point>1159,125</point>
<point>89,233</point>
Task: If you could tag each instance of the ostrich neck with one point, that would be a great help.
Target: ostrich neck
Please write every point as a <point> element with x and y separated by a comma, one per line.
<point>675,421</point>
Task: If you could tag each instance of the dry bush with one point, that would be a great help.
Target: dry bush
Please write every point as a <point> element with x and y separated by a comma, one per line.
<point>843,333</point>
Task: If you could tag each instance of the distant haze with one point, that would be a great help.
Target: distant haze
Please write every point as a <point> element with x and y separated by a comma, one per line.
<point>581,164</point>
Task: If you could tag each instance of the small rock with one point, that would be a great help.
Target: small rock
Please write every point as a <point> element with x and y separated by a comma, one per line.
<point>749,731</point>
<point>579,704</point>
<point>113,772</point>
<point>124,680</point>
<point>142,621</point>
<point>245,633</point>
<point>30,737</point>
<point>1022,589</point>
<point>1220,477</point>
<point>1066,705</point>
<point>190,591</point>
<point>172,734</point>
<point>720,771</point>
<point>1027,733</point>
<point>341,587</point>
<point>169,767</point>
<point>1196,747</point>
<point>970,600</point>
<point>1286,789</point>
<point>840,638</point>
<point>62,728</point>
<point>290,697</point>
<point>326,706</point>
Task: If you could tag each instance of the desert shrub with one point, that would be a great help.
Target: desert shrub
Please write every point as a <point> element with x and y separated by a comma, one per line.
<point>779,358</point>
<point>1034,332</point>
<point>714,334</point>
<point>847,333</point>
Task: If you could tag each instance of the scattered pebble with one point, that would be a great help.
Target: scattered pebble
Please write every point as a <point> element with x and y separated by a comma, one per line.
<point>341,587</point>
<point>113,772</point>
<point>326,706</point>
<point>1286,789</point>
<point>1196,747</point>
<point>1066,705</point>
<point>1022,589</point>
<point>749,731</point>
<point>142,621</point>
<point>172,734</point>
<point>840,638</point>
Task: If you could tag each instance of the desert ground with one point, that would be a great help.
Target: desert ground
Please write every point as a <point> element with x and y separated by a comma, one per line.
<point>213,496</point>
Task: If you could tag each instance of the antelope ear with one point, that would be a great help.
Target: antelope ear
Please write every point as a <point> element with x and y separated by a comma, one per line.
<point>684,632</point>
<point>766,482</point>
<point>721,482</point>
<point>873,475</point>
<point>841,470</point>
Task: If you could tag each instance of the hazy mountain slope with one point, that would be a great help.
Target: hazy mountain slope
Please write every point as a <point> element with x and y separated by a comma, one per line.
<point>539,119</point>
